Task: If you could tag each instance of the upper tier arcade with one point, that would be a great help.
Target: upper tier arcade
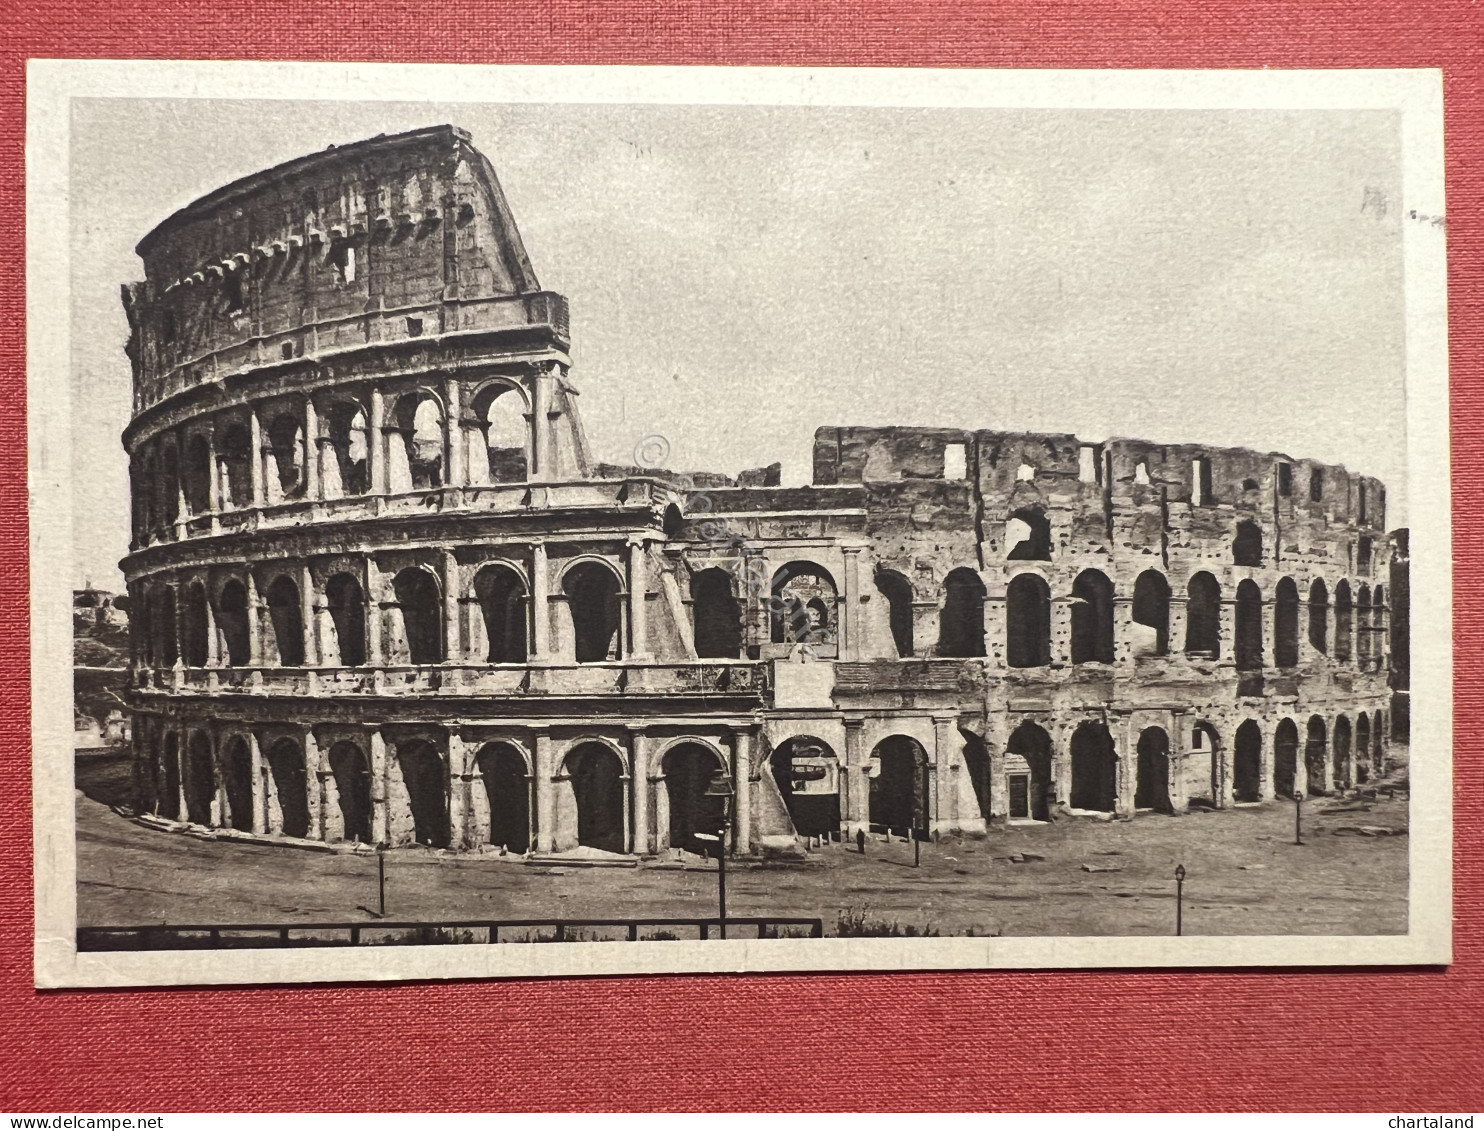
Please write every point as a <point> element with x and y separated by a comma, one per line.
<point>397,237</point>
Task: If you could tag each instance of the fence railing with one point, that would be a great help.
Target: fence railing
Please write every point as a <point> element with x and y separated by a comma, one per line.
<point>246,936</point>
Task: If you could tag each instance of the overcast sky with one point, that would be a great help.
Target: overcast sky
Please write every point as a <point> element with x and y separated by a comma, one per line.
<point>741,276</point>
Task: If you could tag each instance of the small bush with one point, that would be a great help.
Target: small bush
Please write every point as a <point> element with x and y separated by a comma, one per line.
<point>856,923</point>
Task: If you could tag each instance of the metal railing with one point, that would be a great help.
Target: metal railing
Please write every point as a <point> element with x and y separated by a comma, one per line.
<point>245,936</point>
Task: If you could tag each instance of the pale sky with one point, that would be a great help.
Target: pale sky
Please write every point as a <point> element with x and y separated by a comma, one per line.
<point>740,276</point>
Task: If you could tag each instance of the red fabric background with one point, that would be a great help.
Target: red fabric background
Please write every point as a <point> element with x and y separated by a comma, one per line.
<point>1349,1040</point>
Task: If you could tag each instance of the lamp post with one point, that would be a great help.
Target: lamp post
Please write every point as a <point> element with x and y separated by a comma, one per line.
<point>1298,816</point>
<point>1179,897</point>
<point>721,789</point>
<point>381,880</point>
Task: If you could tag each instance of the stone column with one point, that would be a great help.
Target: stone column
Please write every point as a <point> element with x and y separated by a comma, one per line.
<point>453,647</point>
<point>213,482</point>
<point>541,426</point>
<point>458,792</point>
<point>376,443</point>
<point>220,807</point>
<point>213,640</point>
<point>742,786</point>
<point>259,784</point>
<point>453,428</point>
<point>313,483</point>
<point>1060,649</point>
<point>849,617</point>
<point>638,585</point>
<point>1125,749</point>
<point>315,785</point>
<point>944,816</point>
<point>639,745</point>
<point>306,615</point>
<point>857,793</point>
<point>1175,763</point>
<point>540,607</point>
<point>372,596</point>
<point>379,823</point>
<point>255,440</point>
<point>254,625</point>
<point>1123,630</point>
<point>545,793</point>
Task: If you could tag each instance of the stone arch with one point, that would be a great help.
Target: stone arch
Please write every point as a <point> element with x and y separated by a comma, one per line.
<point>897,800</point>
<point>195,474</point>
<point>716,614</point>
<point>195,627</point>
<point>417,443</point>
<point>1344,635</point>
<point>235,456</point>
<point>806,771</point>
<point>1316,751</point>
<point>503,770</point>
<point>1202,765</point>
<point>674,524</point>
<point>1319,616</point>
<point>169,802</point>
<point>501,415</point>
<point>961,619</point>
<point>1247,763</point>
<point>594,603</point>
<point>231,622</point>
<point>1152,779</point>
<point>1285,624</point>
<point>1028,536</point>
<point>290,785</point>
<point>237,782</point>
<point>420,603</point>
<point>1363,624</point>
<point>804,603</point>
<point>352,775</point>
<point>1092,618</point>
<point>348,436</point>
<point>688,768</point>
<point>1028,621</point>
<point>345,604</point>
<point>166,507</point>
<point>1378,743</point>
<point>1151,611</point>
<point>896,591</point>
<point>1248,644</point>
<point>166,647</point>
<point>287,618</point>
<point>501,593</point>
<point>1094,768</point>
<point>1285,758</point>
<point>1031,743</point>
<point>1203,616</point>
<point>425,780</point>
<point>595,772</point>
<point>284,455</point>
<point>1362,749</point>
<point>200,779</point>
<point>1341,755</point>
<point>1247,545</point>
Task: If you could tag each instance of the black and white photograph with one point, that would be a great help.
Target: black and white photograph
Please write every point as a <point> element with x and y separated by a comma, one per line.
<point>735,520</point>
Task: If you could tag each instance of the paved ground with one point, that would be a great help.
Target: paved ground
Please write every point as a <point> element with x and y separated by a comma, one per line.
<point>1245,876</point>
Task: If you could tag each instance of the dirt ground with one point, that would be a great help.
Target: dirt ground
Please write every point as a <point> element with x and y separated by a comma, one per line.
<point>1244,876</point>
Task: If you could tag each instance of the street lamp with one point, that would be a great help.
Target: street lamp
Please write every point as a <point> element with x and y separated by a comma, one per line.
<point>1179,896</point>
<point>721,789</point>
<point>1298,816</point>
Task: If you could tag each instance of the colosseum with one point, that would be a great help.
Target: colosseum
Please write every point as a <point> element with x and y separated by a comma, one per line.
<point>381,590</point>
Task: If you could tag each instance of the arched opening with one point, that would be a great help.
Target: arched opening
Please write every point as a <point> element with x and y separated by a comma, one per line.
<point>1285,758</point>
<point>195,626</point>
<point>426,782</point>
<point>1249,627</point>
<point>1092,618</point>
<point>593,601</point>
<point>1247,764</point>
<point>1094,769</point>
<point>897,592</point>
<point>807,774</point>
<point>1316,750</point>
<point>346,606</point>
<point>237,782</point>
<point>1378,744</point>
<point>502,768</point>
<point>291,785</point>
<point>350,443</point>
<point>1028,536</point>
<point>1152,783</point>
<point>353,787</point>
<point>200,783</point>
<point>596,774</point>
<point>1028,622</point>
<point>421,607</point>
<point>502,606</point>
<point>1201,767</point>
<point>167,486</point>
<point>1378,625</point>
<point>287,618</point>
<point>167,642</point>
<point>961,621</point>
<point>1362,749</point>
<point>1341,761</point>
<point>1319,616</point>
<point>169,801</point>
<point>231,621</point>
<point>500,414</point>
<point>1343,626</point>
<point>675,524</point>
<point>688,770</point>
<point>1363,625</point>
<point>1285,624</point>
<point>1247,545</point>
<point>141,491</point>
<point>1151,614</point>
<point>803,606</point>
<point>1203,617</point>
<point>897,800</point>
<point>285,456</point>
<point>196,475</point>
<point>718,617</point>
<point>415,451</point>
<point>1030,791</point>
<point>234,452</point>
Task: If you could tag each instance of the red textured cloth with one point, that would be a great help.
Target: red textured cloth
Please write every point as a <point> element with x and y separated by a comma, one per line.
<point>1390,1040</point>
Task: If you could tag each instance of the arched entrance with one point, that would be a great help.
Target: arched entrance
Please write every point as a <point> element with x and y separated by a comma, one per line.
<point>1027,622</point>
<point>807,774</point>
<point>426,785</point>
<point>592,591</point>
<point>1202,769</point>
<point>961,621</point>
<point>1092,618</point>
<point>170,796</point>
<point>1094,769</point>
<point>502,768</point>
<point>718,617</point>
<point>237,782</point>
<point>1152,786</point>
<point>896,803</point>
<point>688,770</point>
<point>1316,748</point>
<point>200,783</point>
<point>1342,753</point>
<point>1247,764</point>
<point>502,607</point>
<point>1030,792</point>
<point>1285,758</point>
<point>353,787</point>
<point>421,608</point>
<point>347,608</point>
<point>291,785</point>
<point>597,779</point>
